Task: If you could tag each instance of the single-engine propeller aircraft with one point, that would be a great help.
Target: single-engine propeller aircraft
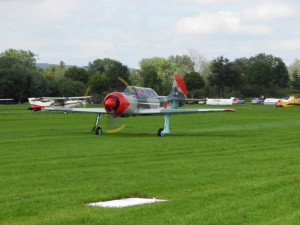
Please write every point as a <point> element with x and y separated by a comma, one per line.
<point>291,101</point>
<point>136,101</point>
<point>38,104</point>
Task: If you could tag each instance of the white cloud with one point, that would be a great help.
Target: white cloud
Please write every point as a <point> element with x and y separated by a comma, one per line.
<point>89,50</point>
<point>31,14</point>
<point>285,45</point>
<point>246,49</point>
<point>208,23</point>
<point>269,11</point>
<point>78,31</point>
<point>209,2</point>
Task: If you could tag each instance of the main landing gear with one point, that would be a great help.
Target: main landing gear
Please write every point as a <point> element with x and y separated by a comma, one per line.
<point>98,130</point>
<point>162,131</point>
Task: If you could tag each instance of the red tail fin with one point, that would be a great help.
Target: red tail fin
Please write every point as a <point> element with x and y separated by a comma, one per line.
<point>178,81</point>
<point>178,91</point>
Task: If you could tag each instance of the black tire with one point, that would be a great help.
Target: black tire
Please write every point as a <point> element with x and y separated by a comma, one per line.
<point>98,131</point>
<point>159,132</point>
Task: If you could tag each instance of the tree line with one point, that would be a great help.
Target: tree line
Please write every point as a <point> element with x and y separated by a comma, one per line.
<point>261,74</point>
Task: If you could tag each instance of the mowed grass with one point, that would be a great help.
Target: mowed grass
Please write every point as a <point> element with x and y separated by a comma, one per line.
<point>214,168</point>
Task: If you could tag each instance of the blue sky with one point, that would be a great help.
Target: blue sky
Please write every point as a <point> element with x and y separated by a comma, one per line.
<point>80,31</point>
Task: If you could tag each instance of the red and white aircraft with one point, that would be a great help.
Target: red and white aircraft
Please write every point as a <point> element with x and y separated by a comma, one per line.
<point>136,101</point>
<point>38,104</point>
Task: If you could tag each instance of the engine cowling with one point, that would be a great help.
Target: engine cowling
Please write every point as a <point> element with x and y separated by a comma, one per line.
<point>115,104</point>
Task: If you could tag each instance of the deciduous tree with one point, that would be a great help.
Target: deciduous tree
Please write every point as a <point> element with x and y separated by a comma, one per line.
<point>112,69</point>
<point>77,74</point>
<point>266,74</point>
<point>193,82</point>
<point>26,58</point>
<point>184,63</point>
<point>295,82</point>
<point>222,75</point>
<point>19,78</point>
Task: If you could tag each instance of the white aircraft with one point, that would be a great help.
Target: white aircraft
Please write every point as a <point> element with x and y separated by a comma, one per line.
<point>135,101</point>
<point>274,101</point>
<point>221,101</point>
<point>7,101</point>
<point>37,104</point>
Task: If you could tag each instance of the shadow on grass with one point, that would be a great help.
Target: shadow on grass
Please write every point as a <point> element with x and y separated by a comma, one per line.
<point>175,134</point>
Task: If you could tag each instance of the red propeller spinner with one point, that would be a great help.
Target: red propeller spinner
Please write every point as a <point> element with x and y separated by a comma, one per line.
<point>115,103</point>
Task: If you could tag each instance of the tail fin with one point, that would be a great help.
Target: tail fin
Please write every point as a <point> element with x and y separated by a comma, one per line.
<point>234,101</point>
<point>178,91</point>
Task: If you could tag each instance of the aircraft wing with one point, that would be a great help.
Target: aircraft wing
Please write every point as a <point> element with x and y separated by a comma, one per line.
<point>180,111</point>
<point>91,110</point>
<point>144,111</point>
<point>51,98</point>
<point>80,97</point>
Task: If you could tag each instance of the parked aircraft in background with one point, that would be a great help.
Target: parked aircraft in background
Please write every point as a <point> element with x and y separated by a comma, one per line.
<point>221,101</point>
<point>271,101</point>
<point>136,101</point>
<point>291,101</point>
<point>259,101</point>
<point>37,104</point>
<point>7,101</point>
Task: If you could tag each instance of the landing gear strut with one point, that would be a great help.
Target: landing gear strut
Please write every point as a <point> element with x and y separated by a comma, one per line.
<point>162,131</point>
<point>98,130</point>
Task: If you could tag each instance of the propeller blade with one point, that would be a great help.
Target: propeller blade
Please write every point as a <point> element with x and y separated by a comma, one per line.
<point>113,124</point>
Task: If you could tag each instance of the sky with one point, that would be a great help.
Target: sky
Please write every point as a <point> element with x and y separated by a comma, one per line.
<point>80,31</point>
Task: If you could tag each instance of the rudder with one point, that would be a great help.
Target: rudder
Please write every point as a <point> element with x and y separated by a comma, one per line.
<point>178,93</point>
<point>178,90</point>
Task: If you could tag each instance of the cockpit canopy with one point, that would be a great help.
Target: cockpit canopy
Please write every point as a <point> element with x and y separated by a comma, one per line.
<point>140,92</point>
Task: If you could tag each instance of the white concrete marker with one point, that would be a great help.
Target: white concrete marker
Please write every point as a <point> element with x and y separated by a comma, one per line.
<point>119,203</point>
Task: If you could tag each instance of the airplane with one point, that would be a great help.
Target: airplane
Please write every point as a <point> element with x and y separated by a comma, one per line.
<point>221,101</point>
<point>136,101</point>
<point>271,101</point>
<point>38,104</point>
<point>291,101</point>
<point>7,101</point>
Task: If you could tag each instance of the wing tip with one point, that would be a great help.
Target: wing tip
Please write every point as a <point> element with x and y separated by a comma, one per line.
<point>229,110</point>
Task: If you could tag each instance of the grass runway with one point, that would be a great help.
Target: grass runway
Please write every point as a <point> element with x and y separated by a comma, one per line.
<point>215,168</point>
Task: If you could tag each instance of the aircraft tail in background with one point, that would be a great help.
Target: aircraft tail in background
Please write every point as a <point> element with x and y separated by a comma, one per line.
<point>281,104</point>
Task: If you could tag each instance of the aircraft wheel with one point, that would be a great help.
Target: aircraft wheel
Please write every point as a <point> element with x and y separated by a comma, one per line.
<point>159,132</point>
<point>98,131</point>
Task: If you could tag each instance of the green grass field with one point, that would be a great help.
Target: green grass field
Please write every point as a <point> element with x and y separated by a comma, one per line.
<point>216,168</point>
